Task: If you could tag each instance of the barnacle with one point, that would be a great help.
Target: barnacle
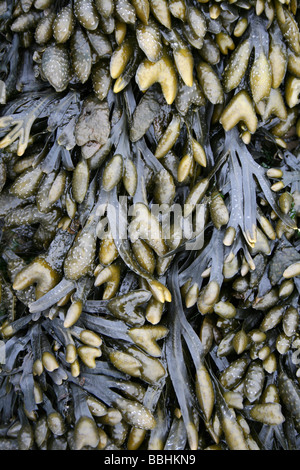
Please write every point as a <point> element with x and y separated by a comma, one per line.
<point>149,240</point>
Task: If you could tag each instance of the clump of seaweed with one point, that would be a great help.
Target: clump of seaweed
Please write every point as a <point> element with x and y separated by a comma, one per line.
<point>149,202</point>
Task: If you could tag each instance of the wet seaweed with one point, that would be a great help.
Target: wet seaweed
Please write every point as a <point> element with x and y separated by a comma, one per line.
<point>149,241</point>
